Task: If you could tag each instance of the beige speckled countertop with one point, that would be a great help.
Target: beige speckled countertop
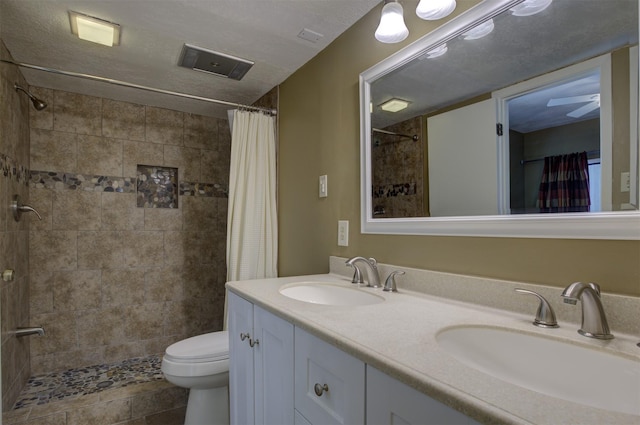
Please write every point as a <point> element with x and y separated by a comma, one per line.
<point>398,336</point>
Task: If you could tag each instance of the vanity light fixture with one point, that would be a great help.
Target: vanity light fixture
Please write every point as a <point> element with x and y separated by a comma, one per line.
<point>392,28</point>
<point>94,29</point>
<point>394,105</point>
<point>432,10</point>
<point>530,7</point>
<point>479,31</point>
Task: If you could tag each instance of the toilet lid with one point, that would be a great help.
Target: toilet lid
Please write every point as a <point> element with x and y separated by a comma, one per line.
<point>208,347</point>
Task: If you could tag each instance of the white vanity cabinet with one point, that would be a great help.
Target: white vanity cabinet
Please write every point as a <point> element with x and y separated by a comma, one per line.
<point>260,365</point>
<point>390,402</point>
<point>329,383</point>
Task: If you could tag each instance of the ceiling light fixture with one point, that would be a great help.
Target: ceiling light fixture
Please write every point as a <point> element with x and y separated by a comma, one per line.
<point>432,10</point>
<point>394,105</point>
<point>94,29</point>
<point>479,31</point>
<point>392,28</point>
<point>530,7</point>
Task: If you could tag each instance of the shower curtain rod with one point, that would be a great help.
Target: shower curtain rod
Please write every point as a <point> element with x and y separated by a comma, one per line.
<point>138,86</point>
<point>414,137</point>
<point>526,161</point>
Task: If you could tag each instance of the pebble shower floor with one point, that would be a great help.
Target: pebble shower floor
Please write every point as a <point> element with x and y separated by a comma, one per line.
<point>57,386</point>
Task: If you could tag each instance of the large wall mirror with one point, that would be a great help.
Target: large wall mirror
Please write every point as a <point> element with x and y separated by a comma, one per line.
<point>501,123</point>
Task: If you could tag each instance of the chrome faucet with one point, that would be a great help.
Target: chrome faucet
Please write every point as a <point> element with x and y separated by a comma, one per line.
<point>594,321</point>
<point>372,271</point>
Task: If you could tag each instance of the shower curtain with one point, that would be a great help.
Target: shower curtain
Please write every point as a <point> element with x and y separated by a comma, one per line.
<point>252,232</point>
<point>564,186</point>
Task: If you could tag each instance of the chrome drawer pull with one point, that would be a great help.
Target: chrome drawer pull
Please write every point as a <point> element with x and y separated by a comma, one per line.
<point>244,336</point>
<point>320,389</point>
<point>253,342</point>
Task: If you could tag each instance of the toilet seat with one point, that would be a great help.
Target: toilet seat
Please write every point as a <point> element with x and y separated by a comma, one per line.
<point>210,347</point>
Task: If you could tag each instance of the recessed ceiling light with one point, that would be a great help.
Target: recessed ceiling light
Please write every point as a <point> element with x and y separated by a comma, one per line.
<point>394,105</point>
<point>94,29</point>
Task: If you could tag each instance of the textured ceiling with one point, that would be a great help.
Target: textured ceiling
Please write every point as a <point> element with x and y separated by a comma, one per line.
<point>153,33</point>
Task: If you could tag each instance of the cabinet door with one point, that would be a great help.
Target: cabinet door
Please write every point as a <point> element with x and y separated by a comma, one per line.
<point>241,396</point>
<point>329,383</point>
<point>390,402</point>
<point>273,360</point>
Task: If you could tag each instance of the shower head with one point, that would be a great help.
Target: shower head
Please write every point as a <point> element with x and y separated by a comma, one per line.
<point>37,103</point>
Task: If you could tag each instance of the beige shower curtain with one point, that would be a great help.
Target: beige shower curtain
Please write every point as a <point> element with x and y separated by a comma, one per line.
<point>252,232</point>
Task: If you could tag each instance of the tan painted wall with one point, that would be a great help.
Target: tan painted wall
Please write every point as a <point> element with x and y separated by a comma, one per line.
<point>319,134</point>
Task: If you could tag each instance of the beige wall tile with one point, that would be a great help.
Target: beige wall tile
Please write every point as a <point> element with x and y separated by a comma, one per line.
<point>143,249</point>
<point>100,250</point>
<point>76,290</point>
<point>53,151</point>
<point>106,413</point>
<point>76,210</point>
<point>164,126</point>
<point>76,113</point>
<point>100,156</point>
<point>107,326</point>
<point>123,286</point>
<point>163,284</point>
<point>215,167</point>
<point>42,201</point>
<point>60,333</point>
<point>119,212</point>
<point>41,291</point>
<point>145,321</point>
<point>119,352</point>
<point>200,213</point>
<point>187,160</point>
<point>122,120</point>
<point>63,360</point>
<point>168,398</point>
<point>171,417</point>
<point>200,132</point>
<point>53,250</point>
<point>175,319</point>
<point>141,153</point>
<point>162,218</point>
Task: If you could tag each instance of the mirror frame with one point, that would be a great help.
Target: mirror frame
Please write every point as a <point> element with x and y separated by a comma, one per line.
<point>623,225</point>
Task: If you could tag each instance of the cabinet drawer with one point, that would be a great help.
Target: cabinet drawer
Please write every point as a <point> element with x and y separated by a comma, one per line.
<point>329,384</point>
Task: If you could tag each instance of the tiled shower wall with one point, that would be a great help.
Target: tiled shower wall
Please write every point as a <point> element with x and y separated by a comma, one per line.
<point>398,168</point>
<point>14,236</point>
<point>110,280</point>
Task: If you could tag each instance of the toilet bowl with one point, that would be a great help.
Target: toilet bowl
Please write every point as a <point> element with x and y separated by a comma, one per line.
<point>201,364</point>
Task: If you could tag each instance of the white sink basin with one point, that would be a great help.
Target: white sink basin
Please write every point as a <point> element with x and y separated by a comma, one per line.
<point>329,294</point>
<point>559,369</point>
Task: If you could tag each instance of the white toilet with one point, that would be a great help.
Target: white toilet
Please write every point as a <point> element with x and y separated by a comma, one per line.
<point>201,363</point>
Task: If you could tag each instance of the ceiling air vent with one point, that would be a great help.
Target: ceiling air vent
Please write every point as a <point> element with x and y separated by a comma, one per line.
<point>204,60</point>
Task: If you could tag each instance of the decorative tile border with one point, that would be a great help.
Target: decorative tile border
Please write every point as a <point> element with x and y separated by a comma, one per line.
<point>72,181</point>
<point>391,190</point>
<point>204,190</point>
<point>10,168</point>
<point>157,187</point>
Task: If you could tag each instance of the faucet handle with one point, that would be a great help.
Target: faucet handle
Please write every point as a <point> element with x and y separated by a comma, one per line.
<point>390,283</point>
<point>545,317</point>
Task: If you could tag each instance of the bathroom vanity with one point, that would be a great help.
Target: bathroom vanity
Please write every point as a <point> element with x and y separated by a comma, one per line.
<point>379,358</point>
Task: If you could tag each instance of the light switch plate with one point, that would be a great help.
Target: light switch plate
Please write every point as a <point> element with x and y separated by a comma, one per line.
<point>322,186</point>
<point>343,232</point>
<point>625,181</point>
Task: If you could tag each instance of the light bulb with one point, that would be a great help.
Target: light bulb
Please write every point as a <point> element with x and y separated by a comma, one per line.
<point>392,28</point>
<point>479,31</point>
<point>432,10</point>
<point>530,7</point>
